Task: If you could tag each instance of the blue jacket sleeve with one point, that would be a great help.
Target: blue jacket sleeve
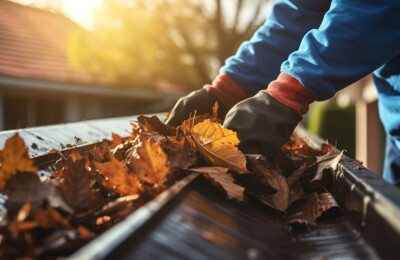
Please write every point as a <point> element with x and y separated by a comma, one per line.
<point>355,38</point>
<point>258,61</point>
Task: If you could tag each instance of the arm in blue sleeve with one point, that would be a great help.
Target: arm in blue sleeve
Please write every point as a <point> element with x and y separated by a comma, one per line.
<point>258,61</point>
<point>355,38</point>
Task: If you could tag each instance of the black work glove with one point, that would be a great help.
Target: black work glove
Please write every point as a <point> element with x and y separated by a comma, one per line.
<point>263,124</point>
<point>200,100</point>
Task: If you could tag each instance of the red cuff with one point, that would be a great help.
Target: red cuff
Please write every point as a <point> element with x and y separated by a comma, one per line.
<point>226,90</point>
<point>290,92</point>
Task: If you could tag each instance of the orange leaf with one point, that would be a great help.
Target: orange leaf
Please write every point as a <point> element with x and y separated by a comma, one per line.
<point>150,164</point>
<point>14,158</point>
<point>117,178</point>
<point>116,140</point>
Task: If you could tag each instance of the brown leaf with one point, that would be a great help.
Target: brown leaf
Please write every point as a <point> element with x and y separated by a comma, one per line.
<point>181,155</point>
<point>117,178</point>
<point>298,145</point>
<point>121,150</point>
<point>23,188</point>
<point>295,176</point>
<point>14,158</point>
<point>149,162</point>
<point>328,161</point>
<point>153,123</point>
<point>270,177</point>
<point>221,178</point>
<point>312,208</point>
<point>100,152</point>
<point>218,145</point>
<point>75,185</point>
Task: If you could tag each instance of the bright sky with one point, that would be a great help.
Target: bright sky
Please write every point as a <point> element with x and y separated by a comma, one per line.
<point>78,10</point>
<point>81,10</point>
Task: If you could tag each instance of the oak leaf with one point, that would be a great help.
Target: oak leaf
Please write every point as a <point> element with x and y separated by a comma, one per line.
<point>327,161</point>
<point>218,145</point>
<point>315,206</point>
<point>14,158</point>
<point>269,177</point>
<point>220,177</point>
<point>75,184</point>
<point>117,178</point>
<point>149,162</point>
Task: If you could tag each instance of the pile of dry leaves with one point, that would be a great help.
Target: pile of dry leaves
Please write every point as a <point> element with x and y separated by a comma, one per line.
<point>89,192</point>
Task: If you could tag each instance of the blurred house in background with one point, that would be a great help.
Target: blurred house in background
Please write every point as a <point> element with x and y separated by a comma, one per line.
<point>39,87</point>
<point>351,121</point>
<point>370,136</point>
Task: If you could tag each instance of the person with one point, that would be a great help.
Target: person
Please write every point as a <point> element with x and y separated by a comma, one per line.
<point>306,51</point>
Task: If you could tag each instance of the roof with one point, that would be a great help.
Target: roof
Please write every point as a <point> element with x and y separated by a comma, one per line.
<point>33,45</point>
<point>193,220</point>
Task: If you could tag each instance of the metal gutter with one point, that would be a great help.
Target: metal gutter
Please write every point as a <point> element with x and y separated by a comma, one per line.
<point>190,220</point>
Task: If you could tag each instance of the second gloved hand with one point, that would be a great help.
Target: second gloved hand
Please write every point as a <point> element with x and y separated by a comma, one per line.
<point>223,88</point>
<point>263,124</point>
<point>200,100</point>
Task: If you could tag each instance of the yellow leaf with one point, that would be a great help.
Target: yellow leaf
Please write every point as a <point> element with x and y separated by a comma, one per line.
<point>218,145</point>
<point>187,125</point>
<point>14,158</point>
<point>150,164</point>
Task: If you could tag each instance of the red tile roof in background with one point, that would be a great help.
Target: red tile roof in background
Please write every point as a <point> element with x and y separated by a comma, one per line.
<point>33,44</point>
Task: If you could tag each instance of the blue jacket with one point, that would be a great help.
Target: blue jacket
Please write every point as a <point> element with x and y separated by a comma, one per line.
<point>327,45</point>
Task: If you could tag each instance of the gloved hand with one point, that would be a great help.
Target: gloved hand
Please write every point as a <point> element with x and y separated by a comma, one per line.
<point>266,121</point>
<point>223,89</point>
<point>200,100</point>
<point>263,124</point>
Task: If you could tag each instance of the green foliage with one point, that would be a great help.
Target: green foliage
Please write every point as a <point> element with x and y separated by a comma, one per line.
<point>139,43</point>
<point>128,46</point>
<point>336,124</point>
